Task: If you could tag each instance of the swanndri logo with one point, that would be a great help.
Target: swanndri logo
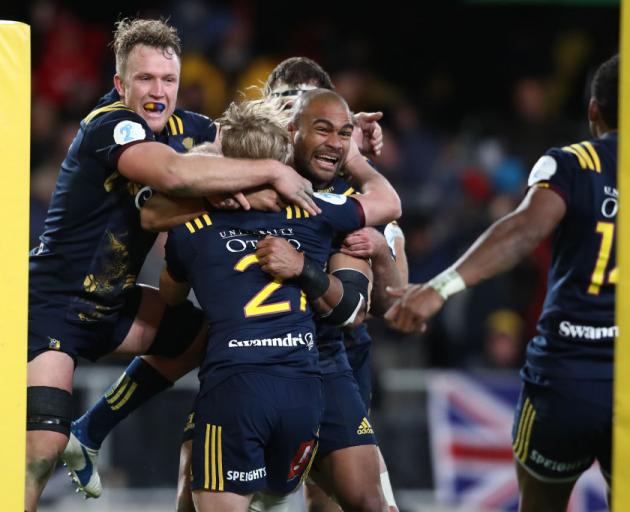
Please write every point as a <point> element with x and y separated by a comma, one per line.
<point>290,340</point>
<point>365,427</point>
<point>587,332</point>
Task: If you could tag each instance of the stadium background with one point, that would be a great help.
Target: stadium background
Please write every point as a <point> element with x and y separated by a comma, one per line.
<point>472,92</point>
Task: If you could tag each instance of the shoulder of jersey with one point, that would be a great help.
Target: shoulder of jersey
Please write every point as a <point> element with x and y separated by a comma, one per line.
<point>585,154</point>
<point>109,110</point>
<point>582,156</point>
<point>190,124</point>
<point>195,225</point>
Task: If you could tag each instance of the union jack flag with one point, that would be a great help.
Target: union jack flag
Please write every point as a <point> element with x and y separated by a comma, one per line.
<point>470,422</point>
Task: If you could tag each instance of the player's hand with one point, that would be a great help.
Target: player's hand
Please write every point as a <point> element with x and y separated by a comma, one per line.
<point>294,189</point>
<point>279,258</point>
<point>367,133</point>
<point>224,202</point>
<point>364,243</point>
<point>415,305</point>
<point>265,199</point>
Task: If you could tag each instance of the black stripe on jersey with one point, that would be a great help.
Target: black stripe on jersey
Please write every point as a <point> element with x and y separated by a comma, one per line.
<point>199,223</point>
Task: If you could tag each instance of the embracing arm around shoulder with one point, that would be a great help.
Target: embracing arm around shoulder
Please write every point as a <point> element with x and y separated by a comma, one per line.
<point>380,201</point>
<point>162,168</point>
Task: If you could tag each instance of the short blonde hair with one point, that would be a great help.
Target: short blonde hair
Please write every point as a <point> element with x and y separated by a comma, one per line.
<point>130,33</point>
<point>256,129</point>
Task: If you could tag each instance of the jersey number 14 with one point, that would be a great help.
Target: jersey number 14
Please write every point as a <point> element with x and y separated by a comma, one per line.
<point>598,277</point>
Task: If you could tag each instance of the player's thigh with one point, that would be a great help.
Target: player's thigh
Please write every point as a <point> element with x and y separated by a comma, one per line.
<point>52,369</point>
<point>353,475</point>
<point>207,501</point>
<point>184,492</point>
<point>539,496</point>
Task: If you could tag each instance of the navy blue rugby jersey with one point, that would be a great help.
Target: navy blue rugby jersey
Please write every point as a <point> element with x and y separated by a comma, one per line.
<point>93,245</point>
<point>254,319</point>
<point>577,324</point>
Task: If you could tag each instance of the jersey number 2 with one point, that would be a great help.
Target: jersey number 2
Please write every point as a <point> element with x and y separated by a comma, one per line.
<point>607,230</point>
<point>255,306</point>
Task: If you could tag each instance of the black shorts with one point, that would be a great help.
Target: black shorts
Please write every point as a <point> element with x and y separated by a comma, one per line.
<point>345,420</point>
<point>359,359</point>
<point>562,426</point>
<point>52,325</point>
<point>254,432</point>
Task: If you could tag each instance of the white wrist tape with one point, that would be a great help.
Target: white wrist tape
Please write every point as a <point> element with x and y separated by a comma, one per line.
<point>447,283</point>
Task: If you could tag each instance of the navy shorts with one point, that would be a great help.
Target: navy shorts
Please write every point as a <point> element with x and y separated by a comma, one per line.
<point>345,421</point>
<point>359,359</point>
<point>255,432</point>
<point>562,426</point>
<point>56,326</point>
<point>53,326</point>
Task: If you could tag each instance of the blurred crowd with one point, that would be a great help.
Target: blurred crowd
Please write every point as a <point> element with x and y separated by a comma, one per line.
<point>458,163</point>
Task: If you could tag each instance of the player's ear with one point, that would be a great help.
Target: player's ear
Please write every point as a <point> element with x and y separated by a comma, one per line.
<point>118,84</point>
<point>594,114</point>
<point>292,129</point>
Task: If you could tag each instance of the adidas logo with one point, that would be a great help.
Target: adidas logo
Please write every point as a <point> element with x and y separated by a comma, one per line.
<point>365,427</point>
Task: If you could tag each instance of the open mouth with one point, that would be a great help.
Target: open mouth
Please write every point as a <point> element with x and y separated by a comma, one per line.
<point>327,161</point>
<point>154,107</point>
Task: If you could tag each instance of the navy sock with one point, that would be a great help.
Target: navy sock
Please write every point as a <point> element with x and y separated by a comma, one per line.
<point>138,384</point>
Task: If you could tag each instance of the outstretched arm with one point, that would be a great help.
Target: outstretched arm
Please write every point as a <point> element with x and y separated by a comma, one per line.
<point>163,212</point>
<point>499,248</point>
<point>162,168</point>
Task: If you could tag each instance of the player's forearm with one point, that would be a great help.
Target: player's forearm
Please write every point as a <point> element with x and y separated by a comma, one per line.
<point>386,274</point>
<point>201,175</point>
<point>197,175</point>
<point>162,212</point>
<point>325,303</point>
<point>502,246</point>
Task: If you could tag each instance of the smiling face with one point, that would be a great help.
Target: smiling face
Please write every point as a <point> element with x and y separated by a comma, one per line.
<point>321,132</point>
<point>150,83</point>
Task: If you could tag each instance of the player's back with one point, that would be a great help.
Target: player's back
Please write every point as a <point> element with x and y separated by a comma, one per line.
<point>577,322</point>
<point>255,319</point>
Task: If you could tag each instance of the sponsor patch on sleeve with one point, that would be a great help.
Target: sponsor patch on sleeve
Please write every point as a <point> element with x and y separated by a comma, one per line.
<point>128,131</point>
<point>543,170</point>
<point>336,199</point>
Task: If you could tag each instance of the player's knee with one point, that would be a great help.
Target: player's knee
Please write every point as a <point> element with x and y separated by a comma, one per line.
<point>39,469</point>
<point>48,409</point>
<point>368,499</point>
